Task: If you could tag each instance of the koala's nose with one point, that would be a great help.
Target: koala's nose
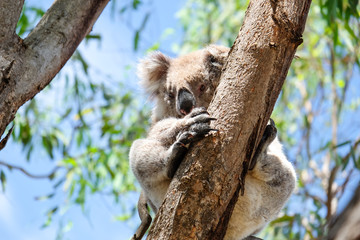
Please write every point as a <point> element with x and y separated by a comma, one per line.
<point>186,101</point>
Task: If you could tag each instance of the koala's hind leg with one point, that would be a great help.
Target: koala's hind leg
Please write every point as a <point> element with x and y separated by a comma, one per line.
<point>144,217</point>
<point>268,137</point>
<point>270,164</point>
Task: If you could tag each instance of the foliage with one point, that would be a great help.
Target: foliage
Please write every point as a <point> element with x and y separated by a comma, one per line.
<point>84,125</point>
<point>206,22</point>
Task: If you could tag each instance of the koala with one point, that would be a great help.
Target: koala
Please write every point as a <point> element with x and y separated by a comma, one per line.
<point>183,89</point>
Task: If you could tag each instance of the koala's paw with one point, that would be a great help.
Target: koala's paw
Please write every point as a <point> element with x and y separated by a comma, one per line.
<point>198,125</point>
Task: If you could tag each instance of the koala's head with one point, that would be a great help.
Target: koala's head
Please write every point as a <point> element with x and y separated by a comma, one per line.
<point>183,83</point>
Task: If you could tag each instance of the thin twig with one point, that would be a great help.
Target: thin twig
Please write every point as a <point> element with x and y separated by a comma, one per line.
<point>334,130</point>
<point>49,176</point>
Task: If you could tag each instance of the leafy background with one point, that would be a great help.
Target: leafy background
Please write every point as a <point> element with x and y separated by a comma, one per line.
<point>65,172</point>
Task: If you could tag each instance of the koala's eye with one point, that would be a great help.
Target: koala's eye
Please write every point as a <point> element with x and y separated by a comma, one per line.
<point>171,95</point>
<point>202,87</point>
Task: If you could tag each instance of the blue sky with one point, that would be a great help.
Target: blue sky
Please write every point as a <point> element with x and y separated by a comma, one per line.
<point>21,216</point>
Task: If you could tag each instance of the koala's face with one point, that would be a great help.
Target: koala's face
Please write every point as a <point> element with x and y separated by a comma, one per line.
<point>183,83</point>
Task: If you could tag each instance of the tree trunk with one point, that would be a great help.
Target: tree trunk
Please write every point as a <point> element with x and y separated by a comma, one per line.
<point>27,66</point>
<point>211,176</point>
<point>346,225</point>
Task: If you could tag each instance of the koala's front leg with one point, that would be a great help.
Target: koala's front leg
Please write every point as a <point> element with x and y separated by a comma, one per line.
<point>199,127</point>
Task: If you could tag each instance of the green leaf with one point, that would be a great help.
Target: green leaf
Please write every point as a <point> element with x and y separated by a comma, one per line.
<point>136,40</point>
<point>335,31</point>
<point>45,197</point>
<point>338,160</point>
<point>78,56</point>
<point>331,6</point>
<point>135,4</point>
<point>353,7</point>
<point>342,144</point>
<point>23,24</point>
<point>123,9</point>
<point>93,36</point>
<point>341,83</point>
<point>38,11</point>
<point>68,226</point>
<point>28,152</point>
<point>70,161</point>
<point>340,8</point>
<point>351,31</point>
<point>356,162</point>
<point>3,180</point>
<point>123,217</point>
<point>49,215</point>
<point>56,185</point>
<point>282,219</point>
<point>48,145</point>
<point>137,33</point>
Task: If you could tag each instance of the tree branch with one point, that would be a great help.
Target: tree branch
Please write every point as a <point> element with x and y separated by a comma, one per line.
<point>44,52</point>
<point>250,84</point>
<point>330,192</point>
<point>346,224</point>
<point>49,176</point>
<point>10,11</point>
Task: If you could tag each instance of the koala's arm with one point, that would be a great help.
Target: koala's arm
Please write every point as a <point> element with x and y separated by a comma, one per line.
<point>158,156</point>
<point>154,160</point>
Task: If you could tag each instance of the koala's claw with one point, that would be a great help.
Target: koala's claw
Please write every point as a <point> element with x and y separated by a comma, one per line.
<point>196,132</point>
<point>185,138</point>
<point>200,129</point>
<point>200,118</point>
<point>213,129</point>
<point>270,132</point>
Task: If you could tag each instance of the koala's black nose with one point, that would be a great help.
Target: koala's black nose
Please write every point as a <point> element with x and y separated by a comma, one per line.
<point>186,101</point>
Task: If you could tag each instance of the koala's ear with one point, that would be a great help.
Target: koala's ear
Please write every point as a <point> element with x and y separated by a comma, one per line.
<point>218,54</point>
<point>152,71</point>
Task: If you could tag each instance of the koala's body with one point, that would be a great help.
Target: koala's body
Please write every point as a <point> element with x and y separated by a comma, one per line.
<point>183,89</point>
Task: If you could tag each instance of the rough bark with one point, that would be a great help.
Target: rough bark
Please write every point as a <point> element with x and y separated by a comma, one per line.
<point>346,225</point>
<point>197,203</point>
<point>27,66</point>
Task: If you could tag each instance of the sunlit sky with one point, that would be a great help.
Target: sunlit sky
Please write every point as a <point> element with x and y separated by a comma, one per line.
<point>21,216</point>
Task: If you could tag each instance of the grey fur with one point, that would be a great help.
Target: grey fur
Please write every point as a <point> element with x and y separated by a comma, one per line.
<point>155,159</point>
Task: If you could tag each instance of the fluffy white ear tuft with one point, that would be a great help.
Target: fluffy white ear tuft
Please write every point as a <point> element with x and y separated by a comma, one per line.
<point>152,71</point>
